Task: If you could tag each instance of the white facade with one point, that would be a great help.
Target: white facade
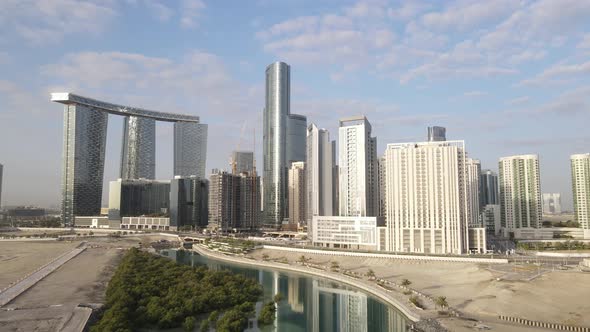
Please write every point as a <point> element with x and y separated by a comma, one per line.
<point>473,175</point>
<point>347,232</point>
<point>426,197</point>
<point>297,193</point>
<point>319,169</point>
<point>358,180</point>
<point>147,223</point>
<point>491,218</point>
<point>581,190</point>
<point>551,203</point>
<point>520,192</point>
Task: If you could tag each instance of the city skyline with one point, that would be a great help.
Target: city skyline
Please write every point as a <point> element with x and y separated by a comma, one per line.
<point>489,109</point>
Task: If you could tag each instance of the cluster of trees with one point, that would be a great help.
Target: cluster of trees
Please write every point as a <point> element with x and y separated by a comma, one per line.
<point>567,245</point>
<point>152,291</point>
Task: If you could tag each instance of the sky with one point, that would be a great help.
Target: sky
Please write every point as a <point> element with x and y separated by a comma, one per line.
<point>508,77</point>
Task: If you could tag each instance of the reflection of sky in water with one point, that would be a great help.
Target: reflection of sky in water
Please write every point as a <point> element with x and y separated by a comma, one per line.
<point>310,303</point>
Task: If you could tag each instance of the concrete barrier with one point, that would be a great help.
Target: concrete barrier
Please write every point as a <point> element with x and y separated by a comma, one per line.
<point>563,254</point>
<point>391,256</point>
<point>544,325</point>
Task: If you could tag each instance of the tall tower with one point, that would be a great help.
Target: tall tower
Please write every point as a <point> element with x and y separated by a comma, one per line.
<point>520,192</point>
<point>581,190</point>
<point>1,174</point>
<point>244,161</point>
<point>319,168</point>
<point>283,142</point>
<point>190,149</point>
<point>437,134</point>
<point>297,193</point>
<point>358,169</point>
<point>138,151</point>
<point>488,188</point>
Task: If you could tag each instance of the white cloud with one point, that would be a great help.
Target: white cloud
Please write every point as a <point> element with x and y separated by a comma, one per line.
<point>474,94</point>
<point>161,11</point>
<point>463,15</point>
<point>190,12</point>
<point>559,73</point>
<point>585,42</point>
<point>518,101</point>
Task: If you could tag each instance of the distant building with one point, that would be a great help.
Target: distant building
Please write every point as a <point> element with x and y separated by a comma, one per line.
<point>491,218</point>
<point>488,192</point>
<point>319,170</point>
<point>284,141</point>
<point>551,203</point>
<point>151,223</point>
<point>473,177</point>
<point>358,180</point>
<point>26,213</point>
<point>581,190</point>
<point>428,197</point>
<point>249,209</point>
<point>190,149</point>
<point>520,193</point>
<point>381,163</point>
<point>348,232</point>
<point>224,195</point>
<point>138,150</point>
<point>244,161</point>
<point>335,182</point>
<point>138,197</point>
<point>437,134</point>
<point>1,174</point>
<point>297,194</point>
<point>189,202</point>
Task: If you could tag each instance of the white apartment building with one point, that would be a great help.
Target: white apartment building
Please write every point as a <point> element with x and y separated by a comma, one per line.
<point>361,233</point>
<point>520,194</point>
<point>297,194</point>
<point>427,197</point>
<point>358,179</point>
<point>319,170</point>
<point>581,190</point>
<point>473,176</point>
<point>551,203</point>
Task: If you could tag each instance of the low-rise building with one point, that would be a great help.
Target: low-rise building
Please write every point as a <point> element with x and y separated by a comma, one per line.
<point>362,233</point>
<point>96,222</point>
<point>153,223</point>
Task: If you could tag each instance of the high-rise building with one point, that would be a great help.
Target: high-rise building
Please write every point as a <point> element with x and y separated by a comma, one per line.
<point>138,151</point>
<point>243,161</point>
<point>473,174</point>
<point>358,178</point>
<point>488,188</point>
<point>581,190</point>
<point>283,142</point>
<point>319,168</point>
<point>382,184</point>
<point>437,134</point>
<point>427,197</point>
<point>138,197</point>
<point>491,217</point>
<point>520,192</point>
<point>84,145</point>
<point>335,182</point>
<point>224,197</point>
<point>189,202</point>
<point>297,194</point>
<point>190,149</point>
<point>1,174</point>
<point>551,203</point>
<point>249,215</point>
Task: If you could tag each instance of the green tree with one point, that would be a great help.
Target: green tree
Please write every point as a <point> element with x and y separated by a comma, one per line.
<point>189,324</point>
<point>232,320</point>
<point>278,297</point>
<point>265,257</point>
<point>441,301</point>
<point>370,274</point>
<point>406,282</point>
<point>267,314</point>
<point>302,259</point>
<point>334,266</point>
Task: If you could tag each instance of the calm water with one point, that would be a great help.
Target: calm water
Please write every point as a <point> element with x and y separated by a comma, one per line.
<point>309,303</point>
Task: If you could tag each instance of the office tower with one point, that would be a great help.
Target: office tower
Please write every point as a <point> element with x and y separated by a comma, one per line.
<point>491,217</point>
<point>1,174</point>
<point>358,178</point>
<point>520,192</point>
<point>138,197</point>
<point>249,217</point>
<point>488,192</point>
<point>473,174</point>
<point>243,161</point>
<point>319,168</point>
<point>437,134</point>
<point>297,194</point>
<point>335,185</point>
<point>138,151</point>
<point>551,203</point>
<point>382,184</point>
<point>581,190</point>
<point>84,140</point>
<point>283,142</point>
<point>426,201</point>
<point>190,149</point>
<point>224,205</point>
<point>189,202</point>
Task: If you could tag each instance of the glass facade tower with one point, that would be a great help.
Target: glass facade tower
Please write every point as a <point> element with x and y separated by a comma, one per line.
<point>138,152</point>
<point>283,142</point>
<point>190,149</point>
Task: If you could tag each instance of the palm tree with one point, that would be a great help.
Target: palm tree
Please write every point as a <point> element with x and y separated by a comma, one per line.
<point>370,274</point>
<point>334,265</point>
<point>406,282</point>
<point>302,259</point>
<point>264,257</point>
<point>441,301</point>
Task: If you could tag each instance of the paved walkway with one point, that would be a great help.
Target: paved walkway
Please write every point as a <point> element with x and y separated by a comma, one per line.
<point>11,292</point>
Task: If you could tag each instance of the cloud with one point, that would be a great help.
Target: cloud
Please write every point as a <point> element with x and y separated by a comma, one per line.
<point>190,12</point>
<point>462,15</point>
<point>161,11</point>
<point>518,101</point>
<point>557,73</point>
<point>474,94</point>
<point>585,42</point>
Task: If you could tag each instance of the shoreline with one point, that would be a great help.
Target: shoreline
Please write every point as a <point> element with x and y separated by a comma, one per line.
<point>361,285</point>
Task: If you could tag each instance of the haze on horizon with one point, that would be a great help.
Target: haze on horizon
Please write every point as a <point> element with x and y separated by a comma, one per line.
<point>508,77</point>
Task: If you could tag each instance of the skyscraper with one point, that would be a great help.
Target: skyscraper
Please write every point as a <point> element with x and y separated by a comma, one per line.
<point>551,203</point>
<point>249,215</point>
<point>189,202</point>
<point>224,205</point>
<point>138,197</point>
<point>581,190</point>
<point>283,142</point>
<point>190,149</point>
<point>358,178</point>
<point>1,174</point>
<point>426,201</point>
<point>319,167</point>
<point>244,161</point>
<point>437,134</point>
<point>297,194</point>
<point>138,151</point>
<point>473,176</point>
<point>520,192</point>
<point>488,192</point>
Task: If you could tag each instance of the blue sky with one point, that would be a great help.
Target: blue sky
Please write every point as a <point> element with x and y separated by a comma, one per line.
<point>509,77</point>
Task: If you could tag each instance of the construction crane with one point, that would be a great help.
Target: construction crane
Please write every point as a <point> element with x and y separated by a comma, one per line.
<point>232,161</point>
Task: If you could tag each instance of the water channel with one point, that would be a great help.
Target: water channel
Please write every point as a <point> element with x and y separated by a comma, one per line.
<point>309,303</point>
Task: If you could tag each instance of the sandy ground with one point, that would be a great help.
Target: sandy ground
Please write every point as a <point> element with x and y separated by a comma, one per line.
<point>17,259</point>
<point>558,297</point>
